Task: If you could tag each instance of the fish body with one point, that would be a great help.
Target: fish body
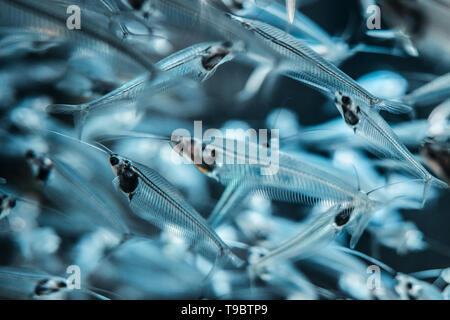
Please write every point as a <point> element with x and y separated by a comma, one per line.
<point>197,62</point>
<point>51,18</point>
<point>303,64</point>
<point>154,199</point>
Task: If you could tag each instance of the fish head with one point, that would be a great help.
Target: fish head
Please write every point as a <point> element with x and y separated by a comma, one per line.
<point>46,287</point>
<point>12,202</point>
<point>236,6</point>
<point>202,156</point>
<point>41,165</point>
<point>407,287</point>
<point>216,55</point>
<point>344,216</point>
<point>123,169</point>
<point>348,108</point>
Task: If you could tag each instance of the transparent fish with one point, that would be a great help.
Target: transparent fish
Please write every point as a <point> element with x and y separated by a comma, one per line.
<point>154,199</point>
<point>404,237</point>
<point>382,140</point>
<point>205,18</point>
<point>303,64</point>
<point>295,181</point>
<point>410,288</point>
<point>320,231</point>
<point>197,62</point>
<point>333,49</point>
<point>22,283</point>
<point>434,91</point>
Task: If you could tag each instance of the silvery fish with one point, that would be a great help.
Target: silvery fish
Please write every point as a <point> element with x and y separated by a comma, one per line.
<point>368,124</point>
<point>435,90</point>
<point>303,64</point>
<point>154,199</point>
<point>197,62</point>
<point>23,283</point>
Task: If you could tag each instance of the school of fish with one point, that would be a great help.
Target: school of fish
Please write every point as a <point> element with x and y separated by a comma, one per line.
<point>224,149</point>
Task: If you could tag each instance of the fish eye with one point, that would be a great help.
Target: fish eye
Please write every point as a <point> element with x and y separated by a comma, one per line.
<point>30,154</point>
<point>342,217</point>
<point>113,160</point>
<point>346,100</point>
<point>409,285</point>
<point>227,44</point>
<point>61,284</point>
<point>12,202</point>
<point>211,61</point>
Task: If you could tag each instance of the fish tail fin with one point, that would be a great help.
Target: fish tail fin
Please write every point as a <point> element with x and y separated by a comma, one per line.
<point>395,107</point>
<point>79,111</point>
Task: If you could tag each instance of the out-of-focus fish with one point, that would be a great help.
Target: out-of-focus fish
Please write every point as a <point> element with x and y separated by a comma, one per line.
<point>333,49</point>
<point>22,283</point>
<point>320,231</point>
<point>425,23</point>
<point>51,17</point>
<point>434,91</point>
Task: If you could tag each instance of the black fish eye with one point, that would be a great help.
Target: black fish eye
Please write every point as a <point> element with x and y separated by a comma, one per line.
<point>12,202</point>
<point>343,217</point>
<point>113,160</point>
<point>30,154</point>
<point>409,285</point>
<point>227,44</point>
<point>346,100</point>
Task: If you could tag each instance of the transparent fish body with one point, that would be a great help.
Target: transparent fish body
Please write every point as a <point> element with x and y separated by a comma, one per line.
<point>50,18</point>
<point>294,181</point>
<point>22,283</point>
<point>320,231</point>
<point>410,288</point>
<point>334,135</point>
<point>206,19</point>
<point>403,236</point>
<point>274,13</point>
<point>172,276</point>
<point>197,63</point>
<point>17,42</point>
<point>154,199</point>
<point>303,64</point>
<point>369,125</point>
<point>433,91</point>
